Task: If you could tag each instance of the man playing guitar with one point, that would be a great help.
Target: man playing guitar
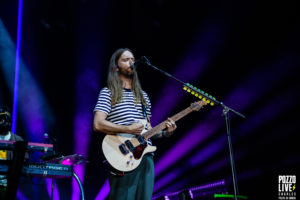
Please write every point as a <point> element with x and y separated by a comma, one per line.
<point>120,108</point>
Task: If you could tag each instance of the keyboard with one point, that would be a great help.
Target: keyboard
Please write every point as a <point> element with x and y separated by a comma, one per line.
<point>31,146</point>
<point>45,170</point>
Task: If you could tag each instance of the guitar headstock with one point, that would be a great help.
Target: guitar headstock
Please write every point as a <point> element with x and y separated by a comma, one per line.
<point>196,106</point>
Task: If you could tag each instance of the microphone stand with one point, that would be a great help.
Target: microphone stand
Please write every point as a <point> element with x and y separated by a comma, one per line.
<point>225,113</point>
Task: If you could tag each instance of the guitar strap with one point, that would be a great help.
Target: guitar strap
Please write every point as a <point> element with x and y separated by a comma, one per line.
<point>145,113</point>
<point>148,120</point>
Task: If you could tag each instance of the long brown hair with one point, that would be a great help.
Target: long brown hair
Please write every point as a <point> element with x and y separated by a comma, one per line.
<point>115,84</point>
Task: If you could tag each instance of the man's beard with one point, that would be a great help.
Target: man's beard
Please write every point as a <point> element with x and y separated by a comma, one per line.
<point>127,73</point>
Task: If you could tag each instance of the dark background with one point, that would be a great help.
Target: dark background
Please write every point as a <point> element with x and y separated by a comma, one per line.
<point>66,45</point>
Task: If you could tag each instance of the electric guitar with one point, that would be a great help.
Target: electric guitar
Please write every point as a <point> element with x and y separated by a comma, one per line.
<point>124,152</point>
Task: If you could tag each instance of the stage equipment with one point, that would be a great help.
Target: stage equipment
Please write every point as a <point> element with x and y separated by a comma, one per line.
<point>212,101</point>
<point>69,161</point>
<point>228,196</point>
<point>59,167</point>
<point>202,192</point>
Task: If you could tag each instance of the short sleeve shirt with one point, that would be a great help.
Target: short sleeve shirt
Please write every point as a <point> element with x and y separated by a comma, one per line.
<point>127,111</point>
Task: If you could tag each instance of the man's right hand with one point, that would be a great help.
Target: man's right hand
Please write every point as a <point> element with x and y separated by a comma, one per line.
<point>135,128</point>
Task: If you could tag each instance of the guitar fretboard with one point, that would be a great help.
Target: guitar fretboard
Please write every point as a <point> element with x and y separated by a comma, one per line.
<point>162,125</point>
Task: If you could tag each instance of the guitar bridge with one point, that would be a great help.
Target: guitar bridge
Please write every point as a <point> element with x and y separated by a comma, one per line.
<point>123,149</point>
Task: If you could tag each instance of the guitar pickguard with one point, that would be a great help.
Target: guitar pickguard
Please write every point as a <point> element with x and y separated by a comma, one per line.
<point>138,151</point>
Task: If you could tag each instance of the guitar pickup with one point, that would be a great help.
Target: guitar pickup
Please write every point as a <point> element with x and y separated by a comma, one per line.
<point>141,139</point>
<point>123,149</point>
<point>129,145</point>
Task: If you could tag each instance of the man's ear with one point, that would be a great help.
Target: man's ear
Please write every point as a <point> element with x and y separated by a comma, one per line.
<point>116,68</point>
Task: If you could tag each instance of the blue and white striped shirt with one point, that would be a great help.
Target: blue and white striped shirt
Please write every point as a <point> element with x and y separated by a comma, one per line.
<point>125,112</point>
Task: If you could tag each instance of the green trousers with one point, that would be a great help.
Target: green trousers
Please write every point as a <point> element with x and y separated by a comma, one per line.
<point>136,185</point>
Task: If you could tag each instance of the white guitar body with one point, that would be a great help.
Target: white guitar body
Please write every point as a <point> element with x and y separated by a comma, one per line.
<point>124,152</point>
<point>117,159</point>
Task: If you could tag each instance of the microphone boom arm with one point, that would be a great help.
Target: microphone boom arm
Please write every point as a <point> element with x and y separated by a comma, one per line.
<point>191,89</point>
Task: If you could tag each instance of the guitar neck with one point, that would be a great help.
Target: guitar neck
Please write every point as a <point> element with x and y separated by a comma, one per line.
<point>162,125</point>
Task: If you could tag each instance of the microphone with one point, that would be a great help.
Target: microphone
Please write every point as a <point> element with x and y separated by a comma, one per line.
<point>140,61</point>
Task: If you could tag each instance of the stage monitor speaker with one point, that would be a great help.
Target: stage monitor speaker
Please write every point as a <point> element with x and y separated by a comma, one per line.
<point>202,192</point>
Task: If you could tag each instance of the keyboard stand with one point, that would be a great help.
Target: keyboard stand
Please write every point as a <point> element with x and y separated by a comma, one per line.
<point>80,185</point>
<point>15,170</point>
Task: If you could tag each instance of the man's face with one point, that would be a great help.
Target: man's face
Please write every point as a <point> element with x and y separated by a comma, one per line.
<point>4,123</point>
<point>124,63</point>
